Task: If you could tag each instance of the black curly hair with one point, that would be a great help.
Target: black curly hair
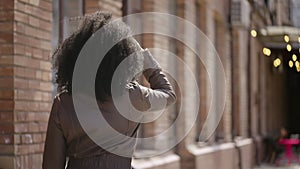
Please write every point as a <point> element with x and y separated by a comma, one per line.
<point>66,55</point>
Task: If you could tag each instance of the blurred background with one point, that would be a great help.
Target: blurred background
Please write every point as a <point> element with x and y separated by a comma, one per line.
<point>256,40</point>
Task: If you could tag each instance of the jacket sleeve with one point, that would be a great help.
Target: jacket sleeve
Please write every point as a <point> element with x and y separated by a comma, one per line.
<point>159,95</point>
<point>55,145</point>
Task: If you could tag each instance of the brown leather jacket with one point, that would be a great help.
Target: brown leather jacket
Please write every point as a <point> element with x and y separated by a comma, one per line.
<point>66,138</point>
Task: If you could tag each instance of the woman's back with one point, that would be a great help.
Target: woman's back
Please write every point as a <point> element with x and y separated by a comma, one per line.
<point>102,139</point>
<point>75,143</point>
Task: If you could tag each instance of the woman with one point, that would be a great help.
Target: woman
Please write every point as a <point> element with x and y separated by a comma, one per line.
<point>65,135</point>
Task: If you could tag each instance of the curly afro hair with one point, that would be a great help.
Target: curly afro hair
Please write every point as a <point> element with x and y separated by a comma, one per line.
<point>66,55</point>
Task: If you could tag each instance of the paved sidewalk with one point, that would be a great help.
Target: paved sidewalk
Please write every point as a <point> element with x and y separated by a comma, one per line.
<point>292,166</point>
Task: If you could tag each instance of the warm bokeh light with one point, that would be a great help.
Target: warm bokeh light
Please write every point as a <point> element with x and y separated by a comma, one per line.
<point>294,57</point>
<point>297,64</point>
<point>277,62</point>
<point>288,47</point>
<point>267,51</point>
<point>299,39</point>
<point>298,69</point>
<point>253,33</point>
<point>286,38</point>
<point>291,64</point>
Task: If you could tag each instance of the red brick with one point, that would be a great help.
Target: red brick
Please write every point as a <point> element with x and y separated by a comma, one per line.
<point>45,25</point>
<point>6,128</point>
<point>19,49</point>
<point>46,86</point>
<point>34,127</point>
<point>24,1</point>
<point>6,105</point>
<point>6,59</point>
<point>33,21</point>
<point>21,17</point>
<point>6,82</point>
<point>28,51</point>
<point>17,138</point>
<point>30,31</point>
<point>23,94</point>
<point>34,84</point>
<point>43,44</point>
<point>42,117</point>
<point>6,5</point>
<point>21,105</point>
<point>19,72</point>
<point>23,149</point>
<point>6,149</point>
<point>28,149</point>
<point>45,106</point>
<point>37,12</point>
<point>36,159</point>
<point>31,116</point>
<point>34,2</point>
<point>21,127</point>
<point>43,126</point>
<point>6,37</point>
<point>6,71</point>
<point>42,34</point>
<point>6,15</point>
<point>35,42</point>
<point>37,95</point>
<point>21,116</point>
<point>30,73</point>
<point>38,74</point>
<point>91,6</point>
<point>20,83</point>
<point>47,55</point>
<point>26,138</point>
<point>6,94</point>
<point>18,28</point>
<point>37,53</point>
<point>34,63</point>
<point>6,49</point>
<point>46,96</point>
<point>33,106</point>
<point>46,76</point>
<point>6,116</point>
<point>45,5</point>
<point>6,139</point>
<point>44,136</point>
<point>26,62</point>
<point>21,39</point>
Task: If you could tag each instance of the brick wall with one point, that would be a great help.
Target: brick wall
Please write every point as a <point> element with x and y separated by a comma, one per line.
<point>25,81</point>
<point>224,130</point>
<point>114,6</point>
<point>203,78</point>
<point>6,83</point>
<point>240,99</point>
<point>158,43</point>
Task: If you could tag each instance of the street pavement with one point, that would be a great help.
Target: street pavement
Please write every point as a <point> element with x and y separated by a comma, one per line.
<point>292,166</point>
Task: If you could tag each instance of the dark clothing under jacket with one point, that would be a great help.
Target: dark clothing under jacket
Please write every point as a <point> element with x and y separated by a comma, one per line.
<point>66,137</point>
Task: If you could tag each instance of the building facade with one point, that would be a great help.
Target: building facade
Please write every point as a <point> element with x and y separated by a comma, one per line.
<point>240,32</point>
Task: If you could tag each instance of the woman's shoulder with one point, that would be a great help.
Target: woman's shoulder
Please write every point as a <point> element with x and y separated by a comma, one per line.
<point>63,100</point>
<point>62,96</point>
